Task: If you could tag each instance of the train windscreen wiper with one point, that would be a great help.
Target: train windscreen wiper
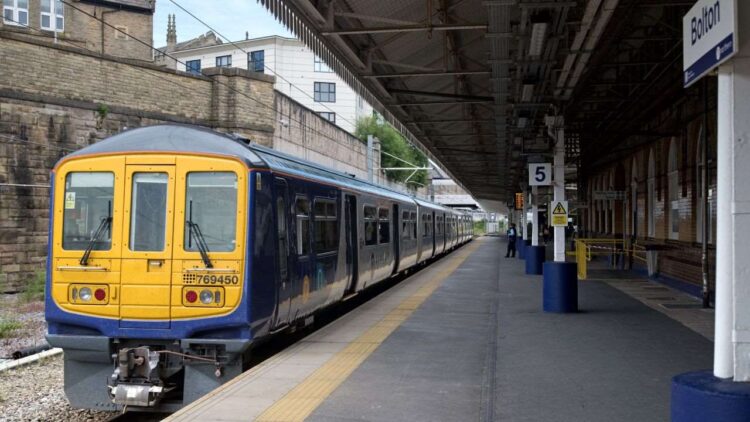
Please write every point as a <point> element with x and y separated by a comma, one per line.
<point>103,226</point>
<point>200,241</point>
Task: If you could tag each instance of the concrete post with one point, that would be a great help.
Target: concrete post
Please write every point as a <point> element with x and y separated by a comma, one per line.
<point>559,184</point>
<point>725,394</point>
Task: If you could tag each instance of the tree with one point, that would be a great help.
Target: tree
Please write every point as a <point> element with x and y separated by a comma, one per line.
<point>392,144</point>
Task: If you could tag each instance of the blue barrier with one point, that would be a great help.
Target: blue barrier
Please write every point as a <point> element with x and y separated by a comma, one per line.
<point>560,290</point>
<point>700,397</point>
<point>534,259</point>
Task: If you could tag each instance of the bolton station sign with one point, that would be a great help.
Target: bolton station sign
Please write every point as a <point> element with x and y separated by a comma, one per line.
<point>709,37</point>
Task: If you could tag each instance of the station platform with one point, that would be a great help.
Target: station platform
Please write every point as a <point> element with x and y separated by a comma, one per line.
<point>465,339</point>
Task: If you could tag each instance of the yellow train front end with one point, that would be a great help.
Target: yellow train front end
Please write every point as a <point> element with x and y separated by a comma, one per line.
<point>146,275</point>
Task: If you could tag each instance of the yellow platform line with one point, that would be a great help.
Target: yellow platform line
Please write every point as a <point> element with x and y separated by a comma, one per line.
<point>302,400</point>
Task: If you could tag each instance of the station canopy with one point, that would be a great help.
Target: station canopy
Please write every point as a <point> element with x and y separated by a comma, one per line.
<point>470,81</point>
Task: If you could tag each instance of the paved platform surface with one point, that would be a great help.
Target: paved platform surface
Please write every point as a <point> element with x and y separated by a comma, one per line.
<point>465,340</point>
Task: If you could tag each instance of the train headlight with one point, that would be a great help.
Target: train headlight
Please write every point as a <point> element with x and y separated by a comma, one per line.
<point>207,297</point>
<point>85,294</point>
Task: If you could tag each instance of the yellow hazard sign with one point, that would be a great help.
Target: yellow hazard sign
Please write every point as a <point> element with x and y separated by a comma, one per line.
<point>559,214</point>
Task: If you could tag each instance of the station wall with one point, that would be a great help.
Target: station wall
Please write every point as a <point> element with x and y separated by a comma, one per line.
<point>661,177</point>
<point>55,99</point>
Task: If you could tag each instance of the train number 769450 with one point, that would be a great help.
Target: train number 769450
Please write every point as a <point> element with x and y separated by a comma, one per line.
<point>214,279</point>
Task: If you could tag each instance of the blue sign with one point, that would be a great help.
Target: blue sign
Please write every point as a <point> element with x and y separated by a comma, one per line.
<point>709,37</point>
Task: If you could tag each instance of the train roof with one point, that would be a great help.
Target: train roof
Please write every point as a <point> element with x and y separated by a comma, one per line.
<point>196,139</point>
<point>173,138</point>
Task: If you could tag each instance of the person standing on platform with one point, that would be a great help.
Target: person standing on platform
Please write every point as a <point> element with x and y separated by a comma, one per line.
<point>511,241</point>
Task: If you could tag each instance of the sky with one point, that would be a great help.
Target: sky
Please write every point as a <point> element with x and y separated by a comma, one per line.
<point>231,19</point>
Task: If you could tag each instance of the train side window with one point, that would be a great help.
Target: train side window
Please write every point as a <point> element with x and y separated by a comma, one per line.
<point>211,207</point>
<point>371,225</point>
<point>438,226</point>
<point>326,229</point>
<point>302,211</point>
<point>384,226</point>
<point>426,225</point>
<point>148,212</point>
<point>413,225</point>
<point>88,205</point>
<point>405,225</point>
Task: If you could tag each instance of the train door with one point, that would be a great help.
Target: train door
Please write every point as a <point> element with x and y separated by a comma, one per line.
<point>352,255</point>
<point>146,268</point>
<point>396,238</point>
<point>283,288</point>
<point>301,276</point>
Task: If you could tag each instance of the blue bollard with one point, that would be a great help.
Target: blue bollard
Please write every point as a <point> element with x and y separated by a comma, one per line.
<point>534,259</point>
<point>560,290</point>
<point>700,396</point>
<point>520,248</point>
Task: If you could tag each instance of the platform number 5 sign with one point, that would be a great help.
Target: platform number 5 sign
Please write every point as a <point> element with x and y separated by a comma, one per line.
<point>540,174</point>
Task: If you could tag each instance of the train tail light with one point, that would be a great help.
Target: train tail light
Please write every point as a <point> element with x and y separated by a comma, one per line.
<point>203,296</point>
<point>88,294</point>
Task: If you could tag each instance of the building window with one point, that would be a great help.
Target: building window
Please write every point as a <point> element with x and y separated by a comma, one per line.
<point>193,66</point>
<point>224,61</point>
<point>121,33</point>
<point>331,117</point>
<point>16,12</point>
<point>325,92</point>
<point>52,18</point>
<point>320,66</point>
<point>256,61</point>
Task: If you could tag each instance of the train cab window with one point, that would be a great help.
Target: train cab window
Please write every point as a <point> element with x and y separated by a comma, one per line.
<point>211,211</point>
<point>326,229</point>
<point>87,215</point>
<point>371,226</point>
<point>302,211</point>
<point>405,229</point>
<point>384,226</point>
<point>413,217</point>
<point>148,212</point>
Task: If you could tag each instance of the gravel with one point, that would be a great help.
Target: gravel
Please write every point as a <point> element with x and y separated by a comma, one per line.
<point>35,393</point>
<point>31,318</point>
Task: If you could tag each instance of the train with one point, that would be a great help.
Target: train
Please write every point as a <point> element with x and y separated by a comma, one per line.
<point>174,249</point>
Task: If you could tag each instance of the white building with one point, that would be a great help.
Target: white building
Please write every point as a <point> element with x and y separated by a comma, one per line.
<point>299,73</point>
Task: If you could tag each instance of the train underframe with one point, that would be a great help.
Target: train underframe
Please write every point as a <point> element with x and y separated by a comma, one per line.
<point>103,373</point>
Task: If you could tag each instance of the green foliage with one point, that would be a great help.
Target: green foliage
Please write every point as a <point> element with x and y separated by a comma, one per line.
<point>480,227</point>
<point>35,290</point>
<point>391,142</point>
<point>7,326</point>
<point>102,110</point>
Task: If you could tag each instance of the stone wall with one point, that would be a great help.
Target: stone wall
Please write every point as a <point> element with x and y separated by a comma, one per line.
<point>55,99</point>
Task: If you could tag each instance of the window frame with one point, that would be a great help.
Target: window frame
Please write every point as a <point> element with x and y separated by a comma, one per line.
<point>371,219</point>
<point>53,16</point>
<point>330,92</point>
<point>186,230</point>
<point>303,246</point>
<point>328,115</point>
<point>228,58</point>
<point>320,66</point>
<point>190,69</point>
<point>384,221</point>
<point>134,224</point>
<point>327,216</point>
<point>16,11</point>
<point>254,62</point>
<point>110,231</point>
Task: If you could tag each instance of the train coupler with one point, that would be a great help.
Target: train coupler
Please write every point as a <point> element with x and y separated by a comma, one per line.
<point>135,380</point>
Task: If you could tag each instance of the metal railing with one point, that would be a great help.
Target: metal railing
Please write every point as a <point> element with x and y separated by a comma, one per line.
<point>585,249</point>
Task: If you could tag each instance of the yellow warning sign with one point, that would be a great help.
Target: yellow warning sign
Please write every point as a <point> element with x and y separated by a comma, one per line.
<point>559,215</point>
